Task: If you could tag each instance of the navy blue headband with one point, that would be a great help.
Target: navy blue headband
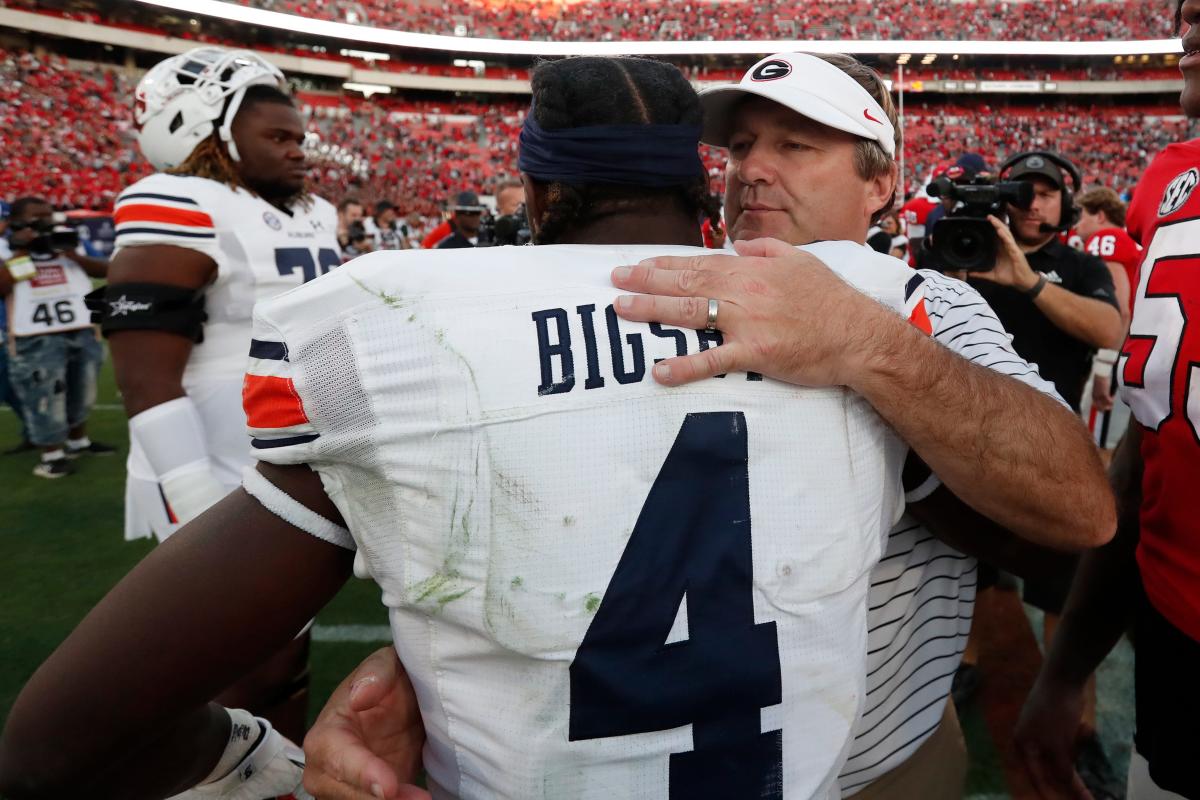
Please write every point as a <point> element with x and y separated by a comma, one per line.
<point>630,155</point>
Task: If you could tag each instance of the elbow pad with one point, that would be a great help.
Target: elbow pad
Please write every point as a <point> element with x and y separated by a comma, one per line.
<point>148,306</point>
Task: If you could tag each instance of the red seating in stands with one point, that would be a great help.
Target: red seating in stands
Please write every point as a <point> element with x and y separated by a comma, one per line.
<point>67,134</point>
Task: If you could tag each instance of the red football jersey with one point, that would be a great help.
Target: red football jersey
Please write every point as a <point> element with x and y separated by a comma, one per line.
<point>1159,370</point>
<point>1114,244</point>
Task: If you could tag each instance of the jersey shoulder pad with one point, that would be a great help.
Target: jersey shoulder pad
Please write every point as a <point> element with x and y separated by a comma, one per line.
<point>168,210</point>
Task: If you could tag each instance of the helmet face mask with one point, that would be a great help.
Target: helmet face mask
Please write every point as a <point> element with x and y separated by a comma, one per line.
<point>181,100</point>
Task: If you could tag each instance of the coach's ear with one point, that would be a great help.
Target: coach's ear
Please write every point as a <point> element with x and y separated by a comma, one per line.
<point>535,203</point>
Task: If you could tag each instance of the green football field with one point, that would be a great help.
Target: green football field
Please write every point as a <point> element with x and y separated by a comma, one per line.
<point>62,548</point>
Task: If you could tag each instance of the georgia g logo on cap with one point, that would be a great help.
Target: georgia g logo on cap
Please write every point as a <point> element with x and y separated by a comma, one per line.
<point>771,70</point>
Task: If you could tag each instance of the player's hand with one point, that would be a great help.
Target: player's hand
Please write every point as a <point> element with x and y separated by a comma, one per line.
<point>781,311</point>
<point>1012,268</point>
<point>366,743</point>
<point>1101,397</point>
<point>1046,736</point>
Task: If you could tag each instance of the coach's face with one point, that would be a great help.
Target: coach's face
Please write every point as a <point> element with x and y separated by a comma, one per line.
<point>793,179</point>
<point>1189,65</point>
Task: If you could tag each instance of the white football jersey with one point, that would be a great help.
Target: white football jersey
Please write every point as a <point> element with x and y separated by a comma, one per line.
<point>260,251</point>
<point>599,586</point>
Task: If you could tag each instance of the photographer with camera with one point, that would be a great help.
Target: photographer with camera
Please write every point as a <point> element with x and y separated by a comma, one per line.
<point>54,352</point>
<point>1059,304</point>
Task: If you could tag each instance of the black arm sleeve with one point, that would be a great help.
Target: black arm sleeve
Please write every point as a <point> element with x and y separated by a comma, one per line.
<point>148,306</point>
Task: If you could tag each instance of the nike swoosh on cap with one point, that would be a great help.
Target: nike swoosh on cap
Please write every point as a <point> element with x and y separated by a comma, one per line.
<point>867,114</point>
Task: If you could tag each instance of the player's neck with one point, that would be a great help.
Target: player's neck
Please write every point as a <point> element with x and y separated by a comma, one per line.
<point>637,228</point>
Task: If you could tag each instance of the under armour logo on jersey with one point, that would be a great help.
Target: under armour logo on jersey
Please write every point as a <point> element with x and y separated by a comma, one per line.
<point>317,225</point>
<point>272,221</point>
<point>123,306</point>
<point>1178,191</point>
<point>771,70</point>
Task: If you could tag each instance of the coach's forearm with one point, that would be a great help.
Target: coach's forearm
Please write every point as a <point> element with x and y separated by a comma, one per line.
<point>1005,449</point>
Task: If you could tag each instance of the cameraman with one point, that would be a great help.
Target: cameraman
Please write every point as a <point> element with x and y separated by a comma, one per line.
<point>55,354</point>
<point>1058,303</point>
<point>464,224</point>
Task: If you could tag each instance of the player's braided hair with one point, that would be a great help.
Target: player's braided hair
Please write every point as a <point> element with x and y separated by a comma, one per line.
<point>210,159</point>
<point>584,91</point>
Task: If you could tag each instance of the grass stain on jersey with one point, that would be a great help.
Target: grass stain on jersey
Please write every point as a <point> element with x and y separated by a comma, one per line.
<point>591,602</point>
<point>390,300</point>
<point>517,582</point>
<point>568,521</point>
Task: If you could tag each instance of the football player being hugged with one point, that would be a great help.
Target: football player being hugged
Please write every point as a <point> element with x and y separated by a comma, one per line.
<point>225,223</point>
<point>1102,228</point>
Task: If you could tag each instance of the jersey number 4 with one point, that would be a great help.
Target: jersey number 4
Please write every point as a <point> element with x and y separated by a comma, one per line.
<point>1161,356</point>
<point>290,259</point>
<point>692,539</point>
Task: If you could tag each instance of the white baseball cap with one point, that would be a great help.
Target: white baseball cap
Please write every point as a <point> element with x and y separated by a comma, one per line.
<point>810,86</point>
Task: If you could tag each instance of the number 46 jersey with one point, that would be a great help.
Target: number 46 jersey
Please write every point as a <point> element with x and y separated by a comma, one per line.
<point>600,587</point>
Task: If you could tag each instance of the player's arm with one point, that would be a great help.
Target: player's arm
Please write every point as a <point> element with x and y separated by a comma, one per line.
<point>149,359</point>
<point>120,709</point>
<point>1098,611</point>
<point>152,313</point>
<point>1121,290</point>
<point>1010,452</point>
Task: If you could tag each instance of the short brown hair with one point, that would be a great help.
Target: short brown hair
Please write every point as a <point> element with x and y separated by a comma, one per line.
<point>870,159</point>
<point>1102,198</point>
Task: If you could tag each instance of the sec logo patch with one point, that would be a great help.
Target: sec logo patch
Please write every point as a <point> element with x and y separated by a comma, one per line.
<point>272,221</point>
<point>1178,191</point>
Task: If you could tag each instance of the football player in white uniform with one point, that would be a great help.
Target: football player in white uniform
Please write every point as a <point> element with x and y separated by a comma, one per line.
<point>227,222</point>
<point>602,588</point>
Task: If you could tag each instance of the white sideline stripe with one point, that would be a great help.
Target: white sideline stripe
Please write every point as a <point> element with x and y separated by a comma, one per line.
<point>351,633</point>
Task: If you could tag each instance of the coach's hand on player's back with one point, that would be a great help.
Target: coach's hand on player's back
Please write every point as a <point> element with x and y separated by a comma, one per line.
<point>366,743</point>
<point>782,313</point>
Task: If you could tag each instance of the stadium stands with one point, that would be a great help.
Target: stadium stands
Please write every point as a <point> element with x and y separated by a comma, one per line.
<point>615,20</point>
<point>67,131</point>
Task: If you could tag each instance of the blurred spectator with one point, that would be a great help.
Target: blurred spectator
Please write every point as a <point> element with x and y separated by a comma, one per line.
<point>510,195</point>
<point>350,213</point>
<point>464,222</point>
<point>382,227</point>
<point>358,241</point>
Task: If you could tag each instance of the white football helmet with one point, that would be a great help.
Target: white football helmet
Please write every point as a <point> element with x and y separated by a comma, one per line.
<point>180,100</point>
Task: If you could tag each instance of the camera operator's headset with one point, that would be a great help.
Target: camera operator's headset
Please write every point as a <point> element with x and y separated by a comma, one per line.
<point>1070,212</point>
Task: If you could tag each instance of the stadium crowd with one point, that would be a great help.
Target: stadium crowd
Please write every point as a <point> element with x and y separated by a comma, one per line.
<point>68,131</point>
<point>610,20</point>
